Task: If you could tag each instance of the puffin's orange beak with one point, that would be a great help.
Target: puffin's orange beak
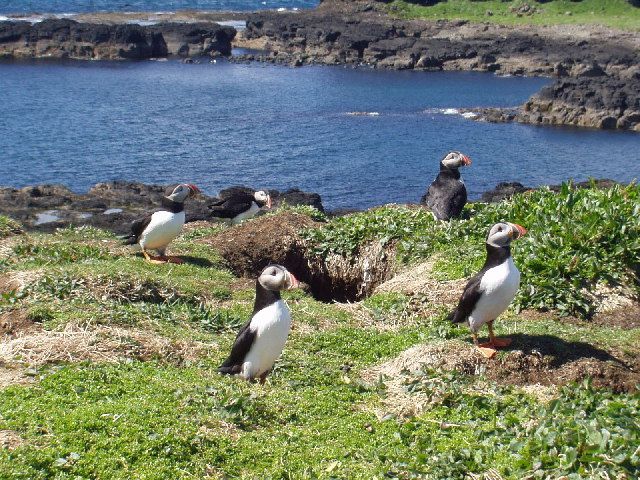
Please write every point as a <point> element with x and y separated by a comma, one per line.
<point>268,201</point>
<point>293,281</point>
<point>466,160</point>
<point>520,229</point>
<point>193,188</point>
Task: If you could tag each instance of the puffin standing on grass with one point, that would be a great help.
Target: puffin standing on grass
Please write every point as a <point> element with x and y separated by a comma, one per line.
<point>492,289</point>
<point>239,203</point>
<point>261,340</point>
<point>157,230</point>
<point>447,194</point>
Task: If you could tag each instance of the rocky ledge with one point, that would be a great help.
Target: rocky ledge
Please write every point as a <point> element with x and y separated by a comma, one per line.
<point>110,205</point>
<point>65,38</point>
<point>597,70</point>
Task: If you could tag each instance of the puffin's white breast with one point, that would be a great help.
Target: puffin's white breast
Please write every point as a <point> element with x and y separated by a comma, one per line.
<point>163,228</point>
<point>253,209</point>
<point>271,326</point>
<point>499,286</point>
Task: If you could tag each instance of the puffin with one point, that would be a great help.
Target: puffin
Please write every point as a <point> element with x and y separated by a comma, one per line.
<point>447,194</point>
<point>157,230</point>
<point>260,341</point>
<point>239,203</point>
<point>492,289</point>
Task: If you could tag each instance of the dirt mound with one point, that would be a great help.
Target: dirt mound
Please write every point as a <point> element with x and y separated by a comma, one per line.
<point>74,343</point>
<point>531,360</point>
<point>627,317</point>
<point>249,247</point>
<point>15,322</point>
<point>10,439</point>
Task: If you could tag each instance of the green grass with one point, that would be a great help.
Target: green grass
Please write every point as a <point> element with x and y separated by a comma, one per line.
<point>612,13</point>
<point>315,417</point>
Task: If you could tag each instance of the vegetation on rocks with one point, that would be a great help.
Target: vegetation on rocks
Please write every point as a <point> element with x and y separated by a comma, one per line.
<point>108,363</point>
<point>612,13</point>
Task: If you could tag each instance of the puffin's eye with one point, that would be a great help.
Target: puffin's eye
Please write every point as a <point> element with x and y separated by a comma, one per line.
<point>499,229</point>
<point>274,272</point>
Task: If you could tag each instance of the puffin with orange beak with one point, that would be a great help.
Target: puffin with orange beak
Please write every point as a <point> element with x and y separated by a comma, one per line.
<point>239,203</point>
<point>157,230</point>
<point>260,341</point>
<point>492,289</point>
<point>447,194</point>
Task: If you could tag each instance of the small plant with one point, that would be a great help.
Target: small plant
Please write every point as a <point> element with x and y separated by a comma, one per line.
<point>307,210</point>
<point>9,227</point>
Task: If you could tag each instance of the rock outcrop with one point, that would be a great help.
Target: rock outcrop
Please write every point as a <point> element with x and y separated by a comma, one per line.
<point>598,78</point>
<point>109,205</point>
<point>65,38</point>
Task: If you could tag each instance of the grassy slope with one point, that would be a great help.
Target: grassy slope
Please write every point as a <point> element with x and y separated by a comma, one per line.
<point>163,419</point>
<point>612,13</point>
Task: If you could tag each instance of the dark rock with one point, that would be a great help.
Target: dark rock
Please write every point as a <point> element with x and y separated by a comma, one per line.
<point>503,191</point>
<point>65,38</point>
<point>111,205</point>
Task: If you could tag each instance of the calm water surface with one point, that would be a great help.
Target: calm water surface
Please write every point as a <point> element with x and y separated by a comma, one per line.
<point>82,6</point>
<point>277,127</point>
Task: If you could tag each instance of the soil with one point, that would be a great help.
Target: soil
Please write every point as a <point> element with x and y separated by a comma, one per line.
<point>15,322</point>
<point>253,245</point>
<point>10,440</point>
<point>532,361</point>
<point>625,318</point>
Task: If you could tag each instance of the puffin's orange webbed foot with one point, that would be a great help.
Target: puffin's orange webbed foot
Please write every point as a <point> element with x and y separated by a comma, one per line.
<point>486,352</point>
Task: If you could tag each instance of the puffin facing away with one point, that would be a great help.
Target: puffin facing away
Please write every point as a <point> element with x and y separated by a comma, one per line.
<point>447,194</point>
<point>492,289</point>
<point>157,230</point>
<point>239,203</point>
<point>261,340</point>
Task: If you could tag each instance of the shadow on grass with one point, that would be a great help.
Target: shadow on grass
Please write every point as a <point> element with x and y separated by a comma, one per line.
<point>560,351</point>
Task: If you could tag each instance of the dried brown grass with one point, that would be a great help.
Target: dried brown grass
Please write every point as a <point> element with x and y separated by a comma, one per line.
<point>75,343</point>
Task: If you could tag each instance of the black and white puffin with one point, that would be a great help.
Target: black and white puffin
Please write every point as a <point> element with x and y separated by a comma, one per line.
<point>157,230</point>
<point>447,194</point>
<point>239,203</point>
<point>261,340</point>
<point>492,289</point>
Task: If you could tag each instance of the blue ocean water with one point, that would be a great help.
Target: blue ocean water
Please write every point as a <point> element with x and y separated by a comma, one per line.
<point>83,6</point>
<point>277,127</point>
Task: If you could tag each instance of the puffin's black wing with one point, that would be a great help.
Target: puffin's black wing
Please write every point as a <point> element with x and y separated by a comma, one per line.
<point>137,227</point>
<point>239,350</point>
<point>468,300</point>
<point>458,201</point>
<point>446,197</point>
<point>231,206</point>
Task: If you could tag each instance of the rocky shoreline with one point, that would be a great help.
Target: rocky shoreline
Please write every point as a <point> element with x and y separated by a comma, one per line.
<point>114,205</point>
<point>596,70</point>
<point>110,205</point>
<point>66,38</point>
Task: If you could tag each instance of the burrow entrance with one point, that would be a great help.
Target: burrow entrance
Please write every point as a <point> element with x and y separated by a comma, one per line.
<point>250,247</point>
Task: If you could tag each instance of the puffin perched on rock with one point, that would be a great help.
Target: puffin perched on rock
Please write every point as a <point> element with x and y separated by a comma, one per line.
<point>261,340</point>
<point>239,203</point>
<point>492,289</point>
<point>447,194</point>
<point>157,230</point>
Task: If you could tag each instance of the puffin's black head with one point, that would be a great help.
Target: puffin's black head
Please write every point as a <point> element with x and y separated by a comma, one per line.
<point>181,192</point>
<point>276,277</point>
<point>501,234</point>
<point>262,198</point>
<point>455,160</point>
